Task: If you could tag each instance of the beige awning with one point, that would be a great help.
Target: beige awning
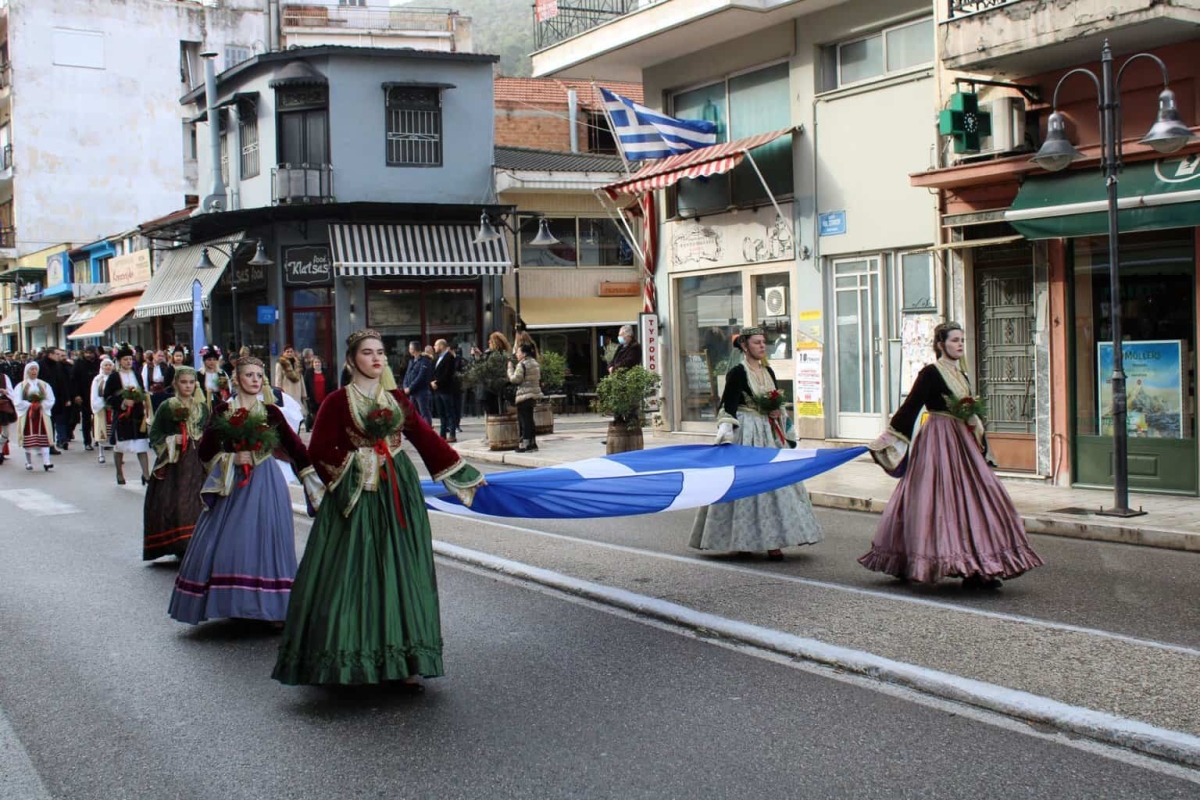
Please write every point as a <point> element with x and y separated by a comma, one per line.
<point>967,244</point>
<point>580,312</point>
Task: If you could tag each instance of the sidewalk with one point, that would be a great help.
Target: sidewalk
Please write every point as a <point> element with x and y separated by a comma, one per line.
<point>1170,522</point>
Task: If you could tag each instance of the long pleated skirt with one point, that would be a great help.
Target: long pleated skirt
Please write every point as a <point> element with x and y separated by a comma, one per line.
<point>950,516</point>
<point>364,608</point>
<point>172,506</point>
<point>241,560</point>
<point>768,521</point>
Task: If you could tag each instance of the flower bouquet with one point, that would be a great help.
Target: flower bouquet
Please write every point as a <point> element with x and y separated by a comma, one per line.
<point>35,397</point>
<point>379,425</point>
<point>223,387</point>
<point>766,403</point>
<point>246,433</point>
<point>136,396</point>
<point>179,415</point>
<point>965,408</point>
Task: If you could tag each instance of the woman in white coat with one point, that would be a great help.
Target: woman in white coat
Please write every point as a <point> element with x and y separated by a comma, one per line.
<point>33,399</point>
<point>100,410</point>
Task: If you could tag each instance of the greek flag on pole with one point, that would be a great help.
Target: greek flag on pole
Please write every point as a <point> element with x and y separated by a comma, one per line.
<point>645,134</point>
<point>640,482</point>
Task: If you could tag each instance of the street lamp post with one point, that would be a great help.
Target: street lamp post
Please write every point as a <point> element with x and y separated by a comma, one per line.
<point>1167,135</point>
<point>260,259</point>
<point>488,233</point>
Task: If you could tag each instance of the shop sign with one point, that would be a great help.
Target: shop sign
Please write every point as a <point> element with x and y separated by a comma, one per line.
<point>724,240</point>
<point>307,266</point>
<point>651,348</point>
<point>129,269</point>
<point>56,269</point>
<point>809,383</point>
<point>620,288</point>
<point>1153,388</point>
<point>268,315</point>
<point>249,276</point>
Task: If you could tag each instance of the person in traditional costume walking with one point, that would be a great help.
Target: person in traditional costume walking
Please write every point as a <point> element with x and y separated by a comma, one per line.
<point>752,413</point>
<point>101,413</point>
<point>950,516</point>
<point>364,607</point>
<point>125,395</point>
<point>172,503</point>
<point>33,400</point>
<point>214,381</point>
<point>241,559</point>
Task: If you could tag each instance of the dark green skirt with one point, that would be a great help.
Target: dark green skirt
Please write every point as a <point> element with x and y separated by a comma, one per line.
<point>364,606</point>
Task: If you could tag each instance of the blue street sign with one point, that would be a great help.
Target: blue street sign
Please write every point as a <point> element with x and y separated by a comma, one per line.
<point>832,223</point>
<point>268,315</point>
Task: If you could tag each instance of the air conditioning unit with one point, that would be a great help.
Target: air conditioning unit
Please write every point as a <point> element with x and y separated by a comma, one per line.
<point>776,301</point>
<point>1008,126</point>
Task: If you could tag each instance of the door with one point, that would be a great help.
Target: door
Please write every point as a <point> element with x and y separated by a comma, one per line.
<point>1004,337</point>
<point>858,302</point>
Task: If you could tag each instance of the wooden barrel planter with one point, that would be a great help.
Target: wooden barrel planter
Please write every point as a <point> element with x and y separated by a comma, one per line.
<point>543,418</point>
<point>622,438</point>
<point>502,431</point>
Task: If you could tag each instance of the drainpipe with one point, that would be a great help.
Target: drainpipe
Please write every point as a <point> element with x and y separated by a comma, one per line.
<point>215,201</point>
<point>235,158</point>
<point>273,25</point>
<point>573,113</point>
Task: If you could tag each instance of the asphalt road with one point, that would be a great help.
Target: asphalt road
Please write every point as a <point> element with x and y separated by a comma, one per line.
<point>105,697</point>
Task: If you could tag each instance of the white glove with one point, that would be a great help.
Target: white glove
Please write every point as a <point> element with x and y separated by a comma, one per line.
<point>725,433</point>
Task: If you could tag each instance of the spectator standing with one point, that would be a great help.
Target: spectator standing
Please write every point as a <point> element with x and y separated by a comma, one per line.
<point>526,376</point>
<point>416,381</point>
<point>289,375</point>
<point>629,351</point>
<point>318,384</point>
<point>445,388</point>
<point>83,373</point>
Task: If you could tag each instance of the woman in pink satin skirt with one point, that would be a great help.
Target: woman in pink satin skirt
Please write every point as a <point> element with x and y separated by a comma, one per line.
<point>950,517</point>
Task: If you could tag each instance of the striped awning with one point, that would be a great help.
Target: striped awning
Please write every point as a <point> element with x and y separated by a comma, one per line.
<point>170,289</point>
<point>83,314</point>
<point>715,160</point>
<point>423,250</point>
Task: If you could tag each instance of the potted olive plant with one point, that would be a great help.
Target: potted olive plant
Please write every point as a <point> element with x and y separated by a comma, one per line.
<point>553,369</point>
<point>623,395</point>
<point>490,374</point>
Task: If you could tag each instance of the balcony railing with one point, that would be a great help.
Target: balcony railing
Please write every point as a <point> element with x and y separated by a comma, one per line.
<point>301,184</point>
<point>965,8</point>
<point>574,17</point>
<point>400,18</point>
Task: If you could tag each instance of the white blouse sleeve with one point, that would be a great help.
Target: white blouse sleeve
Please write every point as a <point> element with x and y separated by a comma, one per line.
<point>97,397</point>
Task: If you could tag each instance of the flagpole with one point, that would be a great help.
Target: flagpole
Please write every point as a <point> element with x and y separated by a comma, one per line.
<point>613,130</point>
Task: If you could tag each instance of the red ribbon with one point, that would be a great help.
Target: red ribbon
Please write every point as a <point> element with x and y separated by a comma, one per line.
<point>388,471</point>
<point>778,431</point>
<point>183,437</point>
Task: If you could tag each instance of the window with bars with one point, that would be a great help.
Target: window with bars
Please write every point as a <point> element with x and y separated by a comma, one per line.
<point>414,126</point>
<point>248,136</point>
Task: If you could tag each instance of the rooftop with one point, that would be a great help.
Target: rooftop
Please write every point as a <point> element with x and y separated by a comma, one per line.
<point>534,160</point>
<point>544,92</point>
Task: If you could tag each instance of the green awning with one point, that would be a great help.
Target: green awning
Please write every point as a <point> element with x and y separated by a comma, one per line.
<point>1150,196</point>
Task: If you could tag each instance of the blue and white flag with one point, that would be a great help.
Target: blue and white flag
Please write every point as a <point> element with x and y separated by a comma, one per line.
<point>640,482</point>
<point>645,134</point>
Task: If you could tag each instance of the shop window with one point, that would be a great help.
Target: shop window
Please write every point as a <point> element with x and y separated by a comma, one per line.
<point>582,242</point>
<point>741,105</point>
<point>710,313</point>
<point>423,313</point>
<point>414,126</point>
<point>916,276</point>
<point>891,50</point>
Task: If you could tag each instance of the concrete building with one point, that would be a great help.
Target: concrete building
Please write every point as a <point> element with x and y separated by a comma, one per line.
<point>361,174</point>
<point>1026,250</point>
<point>93,138</point>
<point>835,101</point>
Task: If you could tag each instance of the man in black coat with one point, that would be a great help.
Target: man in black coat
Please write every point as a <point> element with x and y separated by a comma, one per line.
<point>55,371</point>
<point>445,388</point>
<point>84,371</point>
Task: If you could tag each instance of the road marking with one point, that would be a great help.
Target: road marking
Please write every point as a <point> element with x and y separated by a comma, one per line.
<point>38,503</point>
<point>904,693</point>
<point>918,601</point>
<point>1098,725</point>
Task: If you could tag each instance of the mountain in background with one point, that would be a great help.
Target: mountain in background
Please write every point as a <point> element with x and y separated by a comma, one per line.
<point>499,27</point>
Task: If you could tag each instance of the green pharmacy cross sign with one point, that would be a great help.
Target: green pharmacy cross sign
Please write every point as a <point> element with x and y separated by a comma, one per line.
<point>965,122</point>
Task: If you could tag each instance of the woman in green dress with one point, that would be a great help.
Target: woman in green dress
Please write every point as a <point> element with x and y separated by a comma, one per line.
<point>173,496</point>
<point>364,606</point>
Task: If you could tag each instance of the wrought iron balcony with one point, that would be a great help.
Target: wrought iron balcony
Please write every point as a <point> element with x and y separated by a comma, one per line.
<point>574,17</point>
<point>965,8</point>
<point>302,184</point>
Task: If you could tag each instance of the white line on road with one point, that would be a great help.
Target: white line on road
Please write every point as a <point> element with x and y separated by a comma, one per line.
<point>1128,733</point>
<point>919,601</point>
<point>38,503</point>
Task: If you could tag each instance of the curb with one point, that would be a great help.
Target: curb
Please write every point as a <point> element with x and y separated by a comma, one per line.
<point>1141,737</point>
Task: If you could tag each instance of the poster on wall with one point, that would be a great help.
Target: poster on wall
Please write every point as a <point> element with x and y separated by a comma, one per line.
<point>1153,388</point>
<point>916,348</point>
<point>809,383</point>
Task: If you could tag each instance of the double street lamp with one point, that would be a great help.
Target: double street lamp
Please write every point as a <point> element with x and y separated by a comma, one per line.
<point>1167,135</point>
<point>488,233</point>
<point>260,259</point>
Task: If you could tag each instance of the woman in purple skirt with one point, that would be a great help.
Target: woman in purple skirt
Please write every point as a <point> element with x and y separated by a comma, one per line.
<point>950,517</point>
<point>241,560</point>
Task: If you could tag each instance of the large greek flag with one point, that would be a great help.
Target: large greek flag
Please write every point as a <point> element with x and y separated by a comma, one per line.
<point>644,134</point>
<point>640,482</point>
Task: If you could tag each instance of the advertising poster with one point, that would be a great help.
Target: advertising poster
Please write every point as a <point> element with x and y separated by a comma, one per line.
<point>1153,388</point>
<point>809,384</point>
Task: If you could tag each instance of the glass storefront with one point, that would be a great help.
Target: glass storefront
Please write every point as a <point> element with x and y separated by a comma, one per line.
<point>424,313</point>
<point>771,296</point>
<point>310,321</point>
<point>1158,326</point>
<point>710,313</point>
